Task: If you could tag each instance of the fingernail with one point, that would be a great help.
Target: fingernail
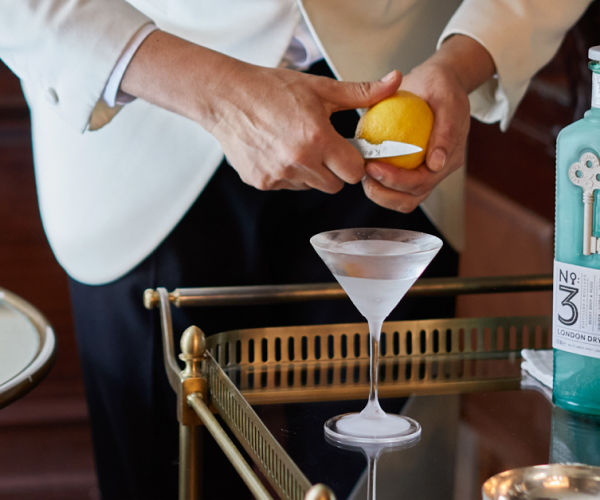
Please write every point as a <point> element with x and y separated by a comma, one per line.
<point>389,77</point>
<point>437,160</point>
<point>376,173</point>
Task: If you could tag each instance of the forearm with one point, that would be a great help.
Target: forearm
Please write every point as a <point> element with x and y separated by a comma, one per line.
<point>180,76</point>
<point>467,59</point>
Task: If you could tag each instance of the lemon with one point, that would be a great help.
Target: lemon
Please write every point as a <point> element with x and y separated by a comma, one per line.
<point>404,117</point>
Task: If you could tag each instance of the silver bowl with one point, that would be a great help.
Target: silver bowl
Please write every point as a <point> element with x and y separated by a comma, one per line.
<point>545,482</point>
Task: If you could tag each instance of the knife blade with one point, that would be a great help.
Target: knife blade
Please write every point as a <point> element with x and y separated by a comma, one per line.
<point>384,150</point>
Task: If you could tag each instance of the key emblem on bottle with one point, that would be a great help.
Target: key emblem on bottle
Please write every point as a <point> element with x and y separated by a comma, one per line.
<point>586,174</point>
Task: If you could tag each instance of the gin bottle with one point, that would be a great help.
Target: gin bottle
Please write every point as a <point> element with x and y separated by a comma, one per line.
<point>576,288</point>
<point>574,438</point>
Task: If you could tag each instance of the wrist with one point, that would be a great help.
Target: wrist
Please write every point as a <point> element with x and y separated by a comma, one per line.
<point>466,59</point>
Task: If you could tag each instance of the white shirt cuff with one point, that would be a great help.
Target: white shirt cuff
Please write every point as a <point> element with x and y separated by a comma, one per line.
<point>112,94</point>
<point>302,51</point>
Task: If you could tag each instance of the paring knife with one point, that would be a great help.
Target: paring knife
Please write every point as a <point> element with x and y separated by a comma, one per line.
<point>383,150</point>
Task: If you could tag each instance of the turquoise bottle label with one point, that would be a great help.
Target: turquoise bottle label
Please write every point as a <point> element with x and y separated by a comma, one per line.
<point>576,309</point>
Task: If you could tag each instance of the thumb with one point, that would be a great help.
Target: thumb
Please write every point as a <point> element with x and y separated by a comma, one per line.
<point>352,95</point>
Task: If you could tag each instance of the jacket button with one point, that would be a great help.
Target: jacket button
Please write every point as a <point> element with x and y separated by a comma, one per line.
<point>51,96</point>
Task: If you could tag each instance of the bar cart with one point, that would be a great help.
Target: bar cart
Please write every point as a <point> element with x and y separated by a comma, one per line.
<point>437,364</point>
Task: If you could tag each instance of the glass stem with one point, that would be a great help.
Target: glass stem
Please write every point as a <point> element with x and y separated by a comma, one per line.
<point>375,330</point>
<point>371,478</point>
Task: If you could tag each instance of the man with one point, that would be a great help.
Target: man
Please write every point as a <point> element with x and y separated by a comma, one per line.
<point>136,195</point>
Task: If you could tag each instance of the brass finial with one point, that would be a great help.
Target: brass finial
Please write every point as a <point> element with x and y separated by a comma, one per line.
<point>319,492</point>
<point>193,347</point>
<point>150,298</point>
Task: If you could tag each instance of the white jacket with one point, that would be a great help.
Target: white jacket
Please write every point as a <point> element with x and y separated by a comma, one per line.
<point>108,197</point>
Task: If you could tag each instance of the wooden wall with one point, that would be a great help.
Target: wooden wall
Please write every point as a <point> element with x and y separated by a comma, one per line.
<point>45,440</point>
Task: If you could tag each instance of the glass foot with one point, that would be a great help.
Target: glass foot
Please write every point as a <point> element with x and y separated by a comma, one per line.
<point>384,429</point>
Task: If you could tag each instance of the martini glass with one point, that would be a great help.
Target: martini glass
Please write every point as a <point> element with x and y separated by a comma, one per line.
<point>375,267</point>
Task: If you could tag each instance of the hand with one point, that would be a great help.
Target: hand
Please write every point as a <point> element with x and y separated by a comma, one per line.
<point>273,124</point>
<point>444,81</point>
<point>402,189</point>
<point>275,130</point>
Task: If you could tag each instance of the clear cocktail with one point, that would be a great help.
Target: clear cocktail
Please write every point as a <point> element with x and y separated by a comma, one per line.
<point>375,267</point>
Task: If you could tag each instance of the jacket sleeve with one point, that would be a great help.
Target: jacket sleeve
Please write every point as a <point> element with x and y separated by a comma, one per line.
<point>521,36</point>
<point>65,50</point>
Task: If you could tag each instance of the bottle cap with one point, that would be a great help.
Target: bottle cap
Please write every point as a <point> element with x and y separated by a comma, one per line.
<point>594,53</point>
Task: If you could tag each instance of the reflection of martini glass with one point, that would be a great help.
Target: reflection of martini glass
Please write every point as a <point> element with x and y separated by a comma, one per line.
<point>375,267</point>
<point>372,452</point>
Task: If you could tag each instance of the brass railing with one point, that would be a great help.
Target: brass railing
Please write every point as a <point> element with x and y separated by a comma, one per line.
<point>331,362</point>
<point>273,294</point>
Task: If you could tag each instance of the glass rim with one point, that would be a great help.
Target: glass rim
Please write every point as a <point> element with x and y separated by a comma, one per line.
<point>316,244</point>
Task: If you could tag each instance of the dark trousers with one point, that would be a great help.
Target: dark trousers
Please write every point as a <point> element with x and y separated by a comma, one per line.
<point>233,235</point>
